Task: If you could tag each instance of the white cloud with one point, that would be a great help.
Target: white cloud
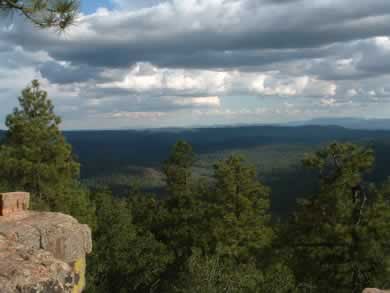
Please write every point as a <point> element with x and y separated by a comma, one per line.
<point>196,101</point>
<point>136,115</point>
<point>352,93</point>
<point>328,102</point>
<point>150,58</point>
<point>383,42</point>
<point>144,77</point>
<point>148,79</point>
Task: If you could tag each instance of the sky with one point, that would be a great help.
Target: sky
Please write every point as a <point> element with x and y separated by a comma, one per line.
<point>182,63</point>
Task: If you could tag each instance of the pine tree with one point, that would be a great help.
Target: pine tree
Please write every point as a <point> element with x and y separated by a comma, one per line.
<point>35,157</point>
<point>340,236</point>
<point>59,14</point>
<point>177,169</point>
<point>180,215</point>
<point>240,219</point>
<point>377,247</point>
<point>126,256</point>
<point>214,274</point>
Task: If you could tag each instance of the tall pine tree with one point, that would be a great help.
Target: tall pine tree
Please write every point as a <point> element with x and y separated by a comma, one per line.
<point>35,157</point>
<point>179,215</point>
<point>126,256</point>
<point>240,219</point>
<point>340,236</point>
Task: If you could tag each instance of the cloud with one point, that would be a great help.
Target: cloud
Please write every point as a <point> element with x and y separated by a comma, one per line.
<point>197,101</point>
<point>178,31</point>
<point>136,115</point>
<point>182,56</point>
<point>146,79</point>
<point>65,73</point>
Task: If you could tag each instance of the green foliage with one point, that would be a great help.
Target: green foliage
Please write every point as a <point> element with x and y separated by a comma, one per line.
<point>36,158</point>
<point>213,275</point>
<point>59,14</point>
<point>126,256</point>
<point>239,210</point>
<point>3,184</point>
<point>74,199</point>
<point>341,165</point>
<point>339,237</point>
<point>217,274</point>
<point>179,216</point>
<point>35,152</point>
<point>177,169</point>
<point>225,222</point>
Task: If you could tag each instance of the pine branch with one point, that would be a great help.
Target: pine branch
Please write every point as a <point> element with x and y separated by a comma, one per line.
<point>61,14</point>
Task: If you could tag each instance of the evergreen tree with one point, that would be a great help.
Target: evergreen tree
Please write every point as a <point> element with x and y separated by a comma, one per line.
<point>126,256</point>
<point>238,213</point>
<point>35,157</point>
<point>340,236</point>
<point>59,14</point>
<point>179,217</point>
<point>177,170</point>
<point>179,214</point>
<point>377,249</point>
<point>213,274</point>
<point>209,274</point>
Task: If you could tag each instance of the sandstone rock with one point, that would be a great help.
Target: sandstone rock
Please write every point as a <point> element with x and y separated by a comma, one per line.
<point>374,290</point>
<point>28,270</point>
<point>40,252</point>
<point>13,202</point>
<point>60,234</point>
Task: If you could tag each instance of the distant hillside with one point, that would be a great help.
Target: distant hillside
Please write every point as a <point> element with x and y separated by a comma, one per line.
<point>119,158</point>
<point>352,123</point>
<point>102,151</point>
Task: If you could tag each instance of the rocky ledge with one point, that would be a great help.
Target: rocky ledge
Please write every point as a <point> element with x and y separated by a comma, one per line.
<point>40,251</point>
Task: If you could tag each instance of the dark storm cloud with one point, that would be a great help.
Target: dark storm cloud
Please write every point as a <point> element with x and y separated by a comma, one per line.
<point>123,57</point>
<point>163,35</point>
<point>57,73</point>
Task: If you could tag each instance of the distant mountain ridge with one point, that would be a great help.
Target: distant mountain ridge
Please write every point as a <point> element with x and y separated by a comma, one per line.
<point>348,122</point>
<point>345,122</point>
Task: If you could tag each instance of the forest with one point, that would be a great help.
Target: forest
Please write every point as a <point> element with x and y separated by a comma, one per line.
<point>210,227</point>
<point>120,158</point>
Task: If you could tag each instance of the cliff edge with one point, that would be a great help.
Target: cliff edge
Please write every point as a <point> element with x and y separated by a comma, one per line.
<point>40,251</point>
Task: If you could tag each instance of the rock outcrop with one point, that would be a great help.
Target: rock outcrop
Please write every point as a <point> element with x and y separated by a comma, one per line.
<point>40,251</point>
<point>13,202</point>
<point>374,290</point>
